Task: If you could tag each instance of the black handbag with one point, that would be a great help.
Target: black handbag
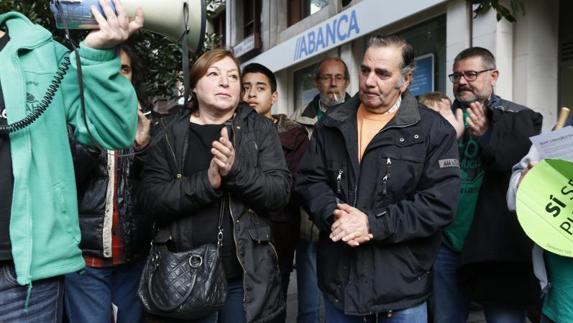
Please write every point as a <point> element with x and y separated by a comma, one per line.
<point>184,285</point>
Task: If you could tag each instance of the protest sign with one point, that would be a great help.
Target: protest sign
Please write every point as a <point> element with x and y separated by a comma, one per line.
<point>545,205</point>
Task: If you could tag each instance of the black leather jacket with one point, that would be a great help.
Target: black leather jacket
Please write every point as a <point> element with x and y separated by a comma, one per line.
<point>259,182</point>
<point>407,184</point>
<point>92,179</point>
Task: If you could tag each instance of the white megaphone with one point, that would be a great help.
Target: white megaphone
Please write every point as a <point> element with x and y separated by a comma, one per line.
<point>165,17</point>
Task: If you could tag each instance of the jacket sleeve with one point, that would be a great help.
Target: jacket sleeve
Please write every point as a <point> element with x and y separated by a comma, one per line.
<point>166,195</point>
<point>300,139</point>
<point>110,101</point>
<point>318,198</point>
<point>433,205</point>
<point>509,140</point>
<point>266,187</point>
<point>532,156</point>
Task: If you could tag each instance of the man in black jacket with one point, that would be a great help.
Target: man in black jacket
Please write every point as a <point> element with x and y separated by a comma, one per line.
<point>260,93</point>
<point>380,179</point>
<point>485,256</point>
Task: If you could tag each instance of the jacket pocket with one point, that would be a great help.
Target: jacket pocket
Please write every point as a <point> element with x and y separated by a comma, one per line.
<point>400,170</point>
<point>262,237</point>
<point>338,180</point>
<point>71,223</point>
<point>417,272</point>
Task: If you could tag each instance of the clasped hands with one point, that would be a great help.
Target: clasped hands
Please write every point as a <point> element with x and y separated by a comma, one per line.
<point>223,159</point>
<point>350,225</point>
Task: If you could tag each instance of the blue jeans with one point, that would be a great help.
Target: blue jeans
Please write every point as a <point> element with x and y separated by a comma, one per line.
<point>232,312</point>
<point>307,283</point>
<point>450,305</point>
<point>45,303</point>
<point>90,293</point>
<point>415,314</point>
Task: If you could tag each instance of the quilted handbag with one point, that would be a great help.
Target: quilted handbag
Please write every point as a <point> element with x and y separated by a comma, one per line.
<point>184,285</point>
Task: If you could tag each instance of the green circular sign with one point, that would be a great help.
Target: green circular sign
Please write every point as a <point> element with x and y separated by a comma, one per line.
<point>545,205</point>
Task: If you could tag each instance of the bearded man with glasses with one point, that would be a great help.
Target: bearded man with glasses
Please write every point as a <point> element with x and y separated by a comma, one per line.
<point>485,256</point>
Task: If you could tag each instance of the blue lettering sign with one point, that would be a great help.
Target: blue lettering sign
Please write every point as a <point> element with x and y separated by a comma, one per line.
<point>331,33</point>
<point>342,36</point>
<point>353,24</point>
<point>302,49</point>
<point>311,44</point>
<point>320,39</point>
<point>337,30</point>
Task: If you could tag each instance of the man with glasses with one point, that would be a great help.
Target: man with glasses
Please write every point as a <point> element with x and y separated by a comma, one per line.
<point>331,80</point>
<point>485,256</point>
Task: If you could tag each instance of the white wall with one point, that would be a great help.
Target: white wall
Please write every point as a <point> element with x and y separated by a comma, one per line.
<point>458,31</point>
<point>536,59</point>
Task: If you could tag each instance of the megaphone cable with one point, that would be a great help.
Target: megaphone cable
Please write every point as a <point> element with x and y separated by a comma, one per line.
<point>44,104</point>
<point>53,88</point>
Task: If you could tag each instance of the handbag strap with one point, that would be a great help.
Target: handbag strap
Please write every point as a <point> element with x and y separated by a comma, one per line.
<point>220,224</point>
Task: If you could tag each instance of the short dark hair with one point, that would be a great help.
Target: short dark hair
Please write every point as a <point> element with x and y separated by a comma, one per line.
<point>408,63</point>
<point>486,56</point>
<point>332,59</point>
<point>260,68</point>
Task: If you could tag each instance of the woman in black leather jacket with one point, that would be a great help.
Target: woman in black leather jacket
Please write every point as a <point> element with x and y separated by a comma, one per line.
<point>221,155</point>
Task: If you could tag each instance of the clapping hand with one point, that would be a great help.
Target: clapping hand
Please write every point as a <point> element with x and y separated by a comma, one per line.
<point>477,119</point>
<point>223,153</point>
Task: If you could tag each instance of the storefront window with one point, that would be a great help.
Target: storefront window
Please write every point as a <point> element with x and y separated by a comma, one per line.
<point>429,42</point>
<point>300,9</point>
<point>305,89</point>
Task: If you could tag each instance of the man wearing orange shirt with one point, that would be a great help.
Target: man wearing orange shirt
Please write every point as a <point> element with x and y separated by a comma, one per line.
<point>380,193</point>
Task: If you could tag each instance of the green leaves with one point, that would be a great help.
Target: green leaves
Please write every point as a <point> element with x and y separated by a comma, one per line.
<point>161,58</point>
<point>483,6</point>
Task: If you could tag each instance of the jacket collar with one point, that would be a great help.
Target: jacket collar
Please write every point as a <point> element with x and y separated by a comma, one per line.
<point>494,102</point>
<point>407,114</point>
<point>23,33</point>
<point>312,108</point>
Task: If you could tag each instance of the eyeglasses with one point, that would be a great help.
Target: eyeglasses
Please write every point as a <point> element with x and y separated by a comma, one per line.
<point>329,78</point>
<point>470,76</point>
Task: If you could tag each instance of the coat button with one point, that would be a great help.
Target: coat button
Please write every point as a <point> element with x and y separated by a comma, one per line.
<point>402,139</point>
<point>416,136</point>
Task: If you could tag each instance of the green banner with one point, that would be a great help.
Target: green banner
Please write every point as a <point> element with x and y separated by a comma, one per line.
<point>545,205</point>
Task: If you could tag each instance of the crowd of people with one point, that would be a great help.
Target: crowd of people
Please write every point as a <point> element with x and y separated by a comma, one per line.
<point>391,208</point>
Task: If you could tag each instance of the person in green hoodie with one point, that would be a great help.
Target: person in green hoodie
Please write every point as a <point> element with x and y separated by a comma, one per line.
<point>39,231</point>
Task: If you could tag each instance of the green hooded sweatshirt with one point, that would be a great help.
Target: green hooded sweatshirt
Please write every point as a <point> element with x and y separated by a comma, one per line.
<point>44,230</point>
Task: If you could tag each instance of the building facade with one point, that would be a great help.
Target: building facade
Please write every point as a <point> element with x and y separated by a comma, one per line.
<point>534,55</point>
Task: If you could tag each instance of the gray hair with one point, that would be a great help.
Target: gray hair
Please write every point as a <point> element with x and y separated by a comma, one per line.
<point>408,64</point>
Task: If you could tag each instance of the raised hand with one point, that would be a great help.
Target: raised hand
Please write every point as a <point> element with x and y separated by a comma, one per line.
<point>114,29</point>
<point>444,108</point>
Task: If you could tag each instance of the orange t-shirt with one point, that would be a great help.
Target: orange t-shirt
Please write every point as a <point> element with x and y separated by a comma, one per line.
<point>369,124</point>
